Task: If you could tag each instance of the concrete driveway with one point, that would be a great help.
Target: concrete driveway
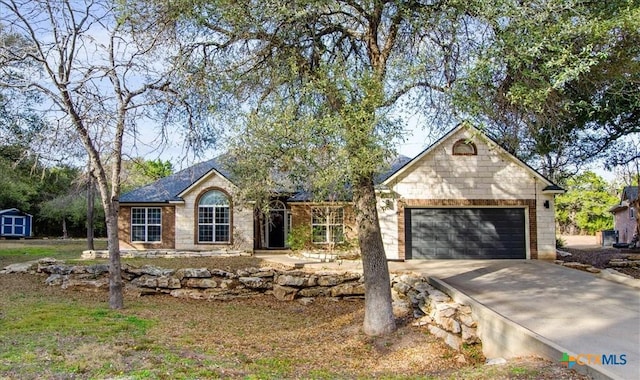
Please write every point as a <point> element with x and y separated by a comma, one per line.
<point>535,307</point>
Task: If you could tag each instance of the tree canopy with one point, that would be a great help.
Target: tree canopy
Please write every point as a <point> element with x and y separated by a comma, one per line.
<point>312,86</point>
<point>584,208</point>
<point>560,81</point>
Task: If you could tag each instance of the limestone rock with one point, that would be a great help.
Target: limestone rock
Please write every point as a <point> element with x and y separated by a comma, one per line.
<point>222,273</point>
<point>200,283</point>
<point>467,320</point>
<point>284,293</point>
<point>329,280</point>
<point>193,273</point>
<point>347,289</point>
<point>287,280</point>
<point>575,265</point>
<point>438,296</point>
<point>447,310</point>
<point>21,267</point>
<point>86,285</point>
<point>55,280</point>
<point>495,361</point>
<point>255,282</point>
<point>196,294</point>
<point>146,281</point>
<point>264,272</point>
<point>98,269</point>
<point>450,339</point>
<point>55,269</point>
<point>168,282</point>
<point>316,291</point>
<point>469,335</point>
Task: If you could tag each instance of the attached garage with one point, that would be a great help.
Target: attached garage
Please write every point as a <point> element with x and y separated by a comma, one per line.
<point>465,233</point>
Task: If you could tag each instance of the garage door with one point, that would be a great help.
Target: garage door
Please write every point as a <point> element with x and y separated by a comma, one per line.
<point>465,233</point>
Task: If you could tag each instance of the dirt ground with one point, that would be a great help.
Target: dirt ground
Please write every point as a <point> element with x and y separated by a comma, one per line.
<point>587,250</point>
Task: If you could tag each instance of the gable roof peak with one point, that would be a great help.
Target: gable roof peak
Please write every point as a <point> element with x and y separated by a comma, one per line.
<point>552,187</point>
<point>169,188</point>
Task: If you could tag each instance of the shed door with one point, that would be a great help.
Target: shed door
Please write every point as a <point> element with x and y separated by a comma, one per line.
<point>13,225</point>
<point>465,233</point>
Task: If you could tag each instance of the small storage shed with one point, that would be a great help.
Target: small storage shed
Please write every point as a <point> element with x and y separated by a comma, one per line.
<point>15,223</point>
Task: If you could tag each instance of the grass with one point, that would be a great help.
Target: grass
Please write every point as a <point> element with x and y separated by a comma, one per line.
<point>14,251</point>
<point>46,332</point>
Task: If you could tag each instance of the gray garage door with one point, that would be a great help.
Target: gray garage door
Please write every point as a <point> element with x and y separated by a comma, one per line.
<point>465,233</point>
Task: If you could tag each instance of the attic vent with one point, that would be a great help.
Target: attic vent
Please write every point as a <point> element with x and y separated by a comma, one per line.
<point>464,148</point>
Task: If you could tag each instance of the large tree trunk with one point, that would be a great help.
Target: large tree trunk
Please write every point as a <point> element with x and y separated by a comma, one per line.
<point>115,268</point>
<point>378,314</point>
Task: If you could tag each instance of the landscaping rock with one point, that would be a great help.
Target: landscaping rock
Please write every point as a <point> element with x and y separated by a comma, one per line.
<point>193,273</point>
<point>99,284</point>
<point>200,283</point>
<point>412,295</point>
<point>287,280</point>
<point>349,289</point>
<point>284,293</point>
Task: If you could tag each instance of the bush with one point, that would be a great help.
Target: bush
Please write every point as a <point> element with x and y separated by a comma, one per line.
<point>299,238</point>
<point>560,243</point>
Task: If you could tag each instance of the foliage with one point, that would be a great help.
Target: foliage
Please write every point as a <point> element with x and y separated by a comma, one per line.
<point>139,172</point>
<point>584,208</point>
<point>321,80</point>
<point>49,193</point>
<point>17,184</point>
<point>99,75</point>
<point>559,82</point>
<point>300,237</point>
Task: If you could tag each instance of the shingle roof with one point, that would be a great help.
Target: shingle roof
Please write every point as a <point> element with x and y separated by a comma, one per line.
<point>396,164</point>
<point>167,189</point>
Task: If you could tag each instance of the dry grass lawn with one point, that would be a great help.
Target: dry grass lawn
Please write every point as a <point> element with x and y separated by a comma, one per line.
<point>49,333</point>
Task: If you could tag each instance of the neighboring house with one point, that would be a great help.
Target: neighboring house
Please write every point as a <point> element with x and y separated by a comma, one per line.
<point>624,214</point>
<point>463,197</point>
<point>15,223</point>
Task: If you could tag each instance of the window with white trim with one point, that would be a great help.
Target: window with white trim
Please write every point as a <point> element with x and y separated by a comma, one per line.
<point>214,218</point>
<point>146,224</point>
<point>632,212</point>
<point>327,224</point>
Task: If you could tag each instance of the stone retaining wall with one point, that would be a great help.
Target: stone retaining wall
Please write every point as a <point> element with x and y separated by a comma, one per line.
<point>413,297</point>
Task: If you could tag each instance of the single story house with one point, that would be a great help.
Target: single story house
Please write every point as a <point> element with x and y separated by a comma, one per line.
<point>462,197</point>
<point>15,223</point>
<point>624,214</point>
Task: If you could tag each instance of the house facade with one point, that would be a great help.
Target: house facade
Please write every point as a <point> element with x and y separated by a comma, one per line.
<point>463,197</point>
<point>466,197</point>
<point>624,214</point>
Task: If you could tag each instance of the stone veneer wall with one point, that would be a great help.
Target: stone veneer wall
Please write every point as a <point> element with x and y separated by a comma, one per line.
<point>412,295</point>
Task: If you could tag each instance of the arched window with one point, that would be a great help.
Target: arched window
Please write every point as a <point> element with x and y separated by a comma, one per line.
<point>464,148</point>
<point>214,218</point>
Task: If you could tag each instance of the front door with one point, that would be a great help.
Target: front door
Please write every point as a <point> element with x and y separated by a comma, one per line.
<point>276,227</point>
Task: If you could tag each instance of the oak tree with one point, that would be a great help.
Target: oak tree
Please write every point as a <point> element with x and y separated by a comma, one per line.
<point>314,90</point>
<point>99,78</point>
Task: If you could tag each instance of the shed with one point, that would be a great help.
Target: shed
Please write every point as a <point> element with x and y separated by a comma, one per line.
<point>15,223</point>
